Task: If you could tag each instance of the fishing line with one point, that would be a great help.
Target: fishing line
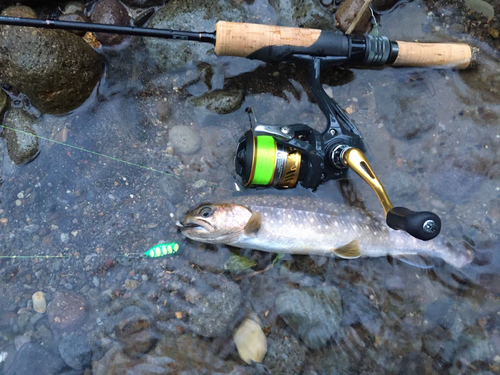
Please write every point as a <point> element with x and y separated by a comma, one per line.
<point>90,151</point>
<point>158,251</point>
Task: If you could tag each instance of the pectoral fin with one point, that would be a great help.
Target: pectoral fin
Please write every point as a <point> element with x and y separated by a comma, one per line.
<point>254,223</point>
<point>349,251</point>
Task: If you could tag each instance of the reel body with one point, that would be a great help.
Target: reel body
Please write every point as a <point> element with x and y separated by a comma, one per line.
<point>283,155</point>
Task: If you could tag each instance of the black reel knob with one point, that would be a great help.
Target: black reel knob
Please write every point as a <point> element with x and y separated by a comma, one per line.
<point>423,225</point>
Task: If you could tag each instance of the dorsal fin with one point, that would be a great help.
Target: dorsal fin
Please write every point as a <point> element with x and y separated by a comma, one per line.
<point>349,251</point>
<point>254,223</point>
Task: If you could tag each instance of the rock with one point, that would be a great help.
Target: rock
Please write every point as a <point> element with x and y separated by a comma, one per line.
<point>493,32</point>
<point>214,313</point>
<point>174,354</point>
<point>55,68</point>
<point>285,354</point>
<point>19,341</point>
<point>303,13</point>
<point>75,351</point>
<point>220,101</point>
<point>34,359</point>
<point>3,102</point>
<point>250,341</point>
<point>347,13</point>
<point>482,8</point>
<point>66,310</point>
<point>110,12</point>
<point>189,15</point>
<point>144,3</point>
<point>135,332</point>
<point>130,284</point>
<point>39,303</point>
<point>21,146</point>
<point>74,7</point>
<point>313,314</point>
<point>75,17</point>
<point>184,139</point>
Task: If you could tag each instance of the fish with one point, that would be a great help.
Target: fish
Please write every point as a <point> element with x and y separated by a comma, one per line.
<point>270,224</point>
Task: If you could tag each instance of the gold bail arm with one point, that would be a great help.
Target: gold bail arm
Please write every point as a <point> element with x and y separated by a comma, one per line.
<point>357,161</point>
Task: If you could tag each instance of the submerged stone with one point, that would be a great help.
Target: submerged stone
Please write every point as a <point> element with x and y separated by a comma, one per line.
<point>55,68</point>
<point>313,314</point>
<point>188,15</point>
<point>184,139</point>
<point>22,143</point>
<point>110,12</point>
<point>220,101</point>
<point>303,13</point>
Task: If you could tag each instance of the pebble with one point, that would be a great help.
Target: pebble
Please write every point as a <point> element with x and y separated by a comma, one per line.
<point>66,310</point>
<point>250,341</point>
<point>39,302</point>
<point>185,140</point>
<point>130,284</point>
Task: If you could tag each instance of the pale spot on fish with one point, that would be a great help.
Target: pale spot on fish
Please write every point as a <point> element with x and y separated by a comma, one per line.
<point>311,220</point>
<point>289,216</point>
<point>266,214</point>
<point>336,223</point>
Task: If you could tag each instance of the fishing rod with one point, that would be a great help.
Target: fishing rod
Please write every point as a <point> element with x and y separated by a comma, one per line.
<point>279,43</point>
<point>282,155</point>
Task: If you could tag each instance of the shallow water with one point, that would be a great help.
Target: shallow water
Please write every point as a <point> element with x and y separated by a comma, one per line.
<point>433,138</point>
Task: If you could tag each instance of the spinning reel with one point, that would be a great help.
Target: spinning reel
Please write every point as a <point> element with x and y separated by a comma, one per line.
<point>283,155</point>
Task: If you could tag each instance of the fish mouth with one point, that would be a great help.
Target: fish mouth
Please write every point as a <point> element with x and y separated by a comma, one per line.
<point>194,225</point>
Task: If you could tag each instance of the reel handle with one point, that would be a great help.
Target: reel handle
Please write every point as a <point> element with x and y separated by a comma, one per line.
<point>423,225</point>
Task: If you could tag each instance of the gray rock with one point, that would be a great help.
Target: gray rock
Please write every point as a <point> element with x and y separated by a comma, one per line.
<point>35,359</point>
<point>303,13</point>
<point>313,314</point>
<point>75,351</point>
<point>188,15</point>
<point>184,139</point>
<point>19,341</point>
<point>55,68</point>
<point>220,101</point>
<point>21,146</point>
<point>110,12</point>
<point>214,313</point>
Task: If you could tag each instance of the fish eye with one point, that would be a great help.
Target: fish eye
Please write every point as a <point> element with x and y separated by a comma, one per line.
<point>206,211</point>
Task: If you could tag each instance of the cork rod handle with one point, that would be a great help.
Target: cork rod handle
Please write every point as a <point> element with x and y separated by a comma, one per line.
<point>242,39</point>
<point>446,55</point>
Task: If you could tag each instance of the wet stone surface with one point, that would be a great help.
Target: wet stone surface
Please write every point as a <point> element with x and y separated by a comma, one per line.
<point>22,145</point>
<point>55,68</point>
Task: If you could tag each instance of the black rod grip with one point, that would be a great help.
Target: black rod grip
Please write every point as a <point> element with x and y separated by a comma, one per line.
<point>423,225</point>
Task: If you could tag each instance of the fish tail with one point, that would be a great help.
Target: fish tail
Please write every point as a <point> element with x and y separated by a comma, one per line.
<point>458,253</point>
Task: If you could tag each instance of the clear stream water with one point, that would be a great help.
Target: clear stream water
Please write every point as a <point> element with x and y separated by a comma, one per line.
<point>434,141</point>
